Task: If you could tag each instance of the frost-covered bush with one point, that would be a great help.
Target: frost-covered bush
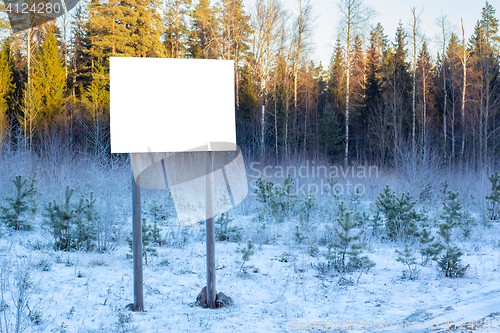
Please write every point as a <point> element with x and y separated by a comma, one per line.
<point>277,201</point>
<point>14,213</point>
<point>400,213</point>
<point>223,232</point>
<point>72,225</point>
<point>450,263</point>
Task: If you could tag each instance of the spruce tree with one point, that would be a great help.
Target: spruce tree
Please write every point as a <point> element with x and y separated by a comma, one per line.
<point>329,133</point>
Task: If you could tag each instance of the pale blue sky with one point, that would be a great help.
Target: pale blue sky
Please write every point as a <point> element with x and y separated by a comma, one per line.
<point>389,13</point>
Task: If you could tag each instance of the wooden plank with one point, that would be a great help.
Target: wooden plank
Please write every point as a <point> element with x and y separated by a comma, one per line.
<point>137,244</point>
<point>211,289</point>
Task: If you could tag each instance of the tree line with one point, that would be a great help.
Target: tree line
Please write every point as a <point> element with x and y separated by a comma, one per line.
<point>380,99</point>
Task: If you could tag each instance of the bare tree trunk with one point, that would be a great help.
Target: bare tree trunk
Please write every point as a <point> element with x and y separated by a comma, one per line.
<point>445,99</point>
<point>355,14</point>
<point>413,11</point>
<point>263,120</point>
<point>464,87</point>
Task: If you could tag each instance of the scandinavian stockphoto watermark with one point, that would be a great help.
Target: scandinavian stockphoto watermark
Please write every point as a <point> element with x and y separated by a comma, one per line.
<point>312,179</point>
<point>364,324</point>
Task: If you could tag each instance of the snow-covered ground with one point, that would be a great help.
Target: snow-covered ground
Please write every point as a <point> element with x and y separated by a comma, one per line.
<point>88,292</point>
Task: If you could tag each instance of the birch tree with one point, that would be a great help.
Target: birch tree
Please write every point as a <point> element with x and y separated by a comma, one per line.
<point>268,21</point>
<point>354,16</point>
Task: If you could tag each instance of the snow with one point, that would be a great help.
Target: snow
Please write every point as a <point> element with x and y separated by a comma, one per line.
<point>275,299</point>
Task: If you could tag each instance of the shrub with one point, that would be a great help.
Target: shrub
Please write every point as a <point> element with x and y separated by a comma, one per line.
<point>246,252</point>
<point>346,254</point>
<point>406,258</point>
<point>223,232</point>
<point>72,225</point>
<point>430,249</point>
<point>13,215</point>
<point>450,262</point>
<point>147,238</point>
<point>401,216</point>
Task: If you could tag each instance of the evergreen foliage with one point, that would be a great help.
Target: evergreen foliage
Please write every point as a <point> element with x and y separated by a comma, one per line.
<point>13,215</point>
<point>430,250</point>
<point>147,236</point>
<point>246,253</point>
<point>48,79</point>
<point>346,254</point>
<point>450,262</point>
<point>223,232</point>
<point>277,200</point>
<point>7,87</point>
<point>406,258</point>
<point>401,216</point>
<point>72,225</point>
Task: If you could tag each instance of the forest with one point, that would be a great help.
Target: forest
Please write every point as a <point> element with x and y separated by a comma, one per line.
<point>383,98</point>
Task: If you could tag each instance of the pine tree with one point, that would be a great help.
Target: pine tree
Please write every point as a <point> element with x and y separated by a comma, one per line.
<point>7,87</point>
<point>176,27</point>
<point>400,213</point>
<point>452,208</point>
<point>430,249</point>
<point>246,252</point>
<point>48,79</point>
<point>18,205</point>
<point>72,225</point>
<point>203,32</point>
<point>450,262</point>
<point>147,236</point>
<point>406,258</point>
<point>346,249</point>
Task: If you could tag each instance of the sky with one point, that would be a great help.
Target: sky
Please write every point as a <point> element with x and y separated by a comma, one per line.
<point>389,13</point>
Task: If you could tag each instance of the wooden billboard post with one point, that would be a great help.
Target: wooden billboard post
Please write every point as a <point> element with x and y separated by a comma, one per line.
<point>137,243</point>
<point>211,289</point>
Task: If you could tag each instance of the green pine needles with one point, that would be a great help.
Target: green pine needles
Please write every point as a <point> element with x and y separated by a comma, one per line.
<point>246,253</point>
<point>450,263</point>
<point>345,254</point>
<point>24,201</point>
<point>223,232</point>
<point>147,237</point>
<point>72,225</point>
<point>430,249</point>
<point>406,257</point>
<point>401,216</point>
